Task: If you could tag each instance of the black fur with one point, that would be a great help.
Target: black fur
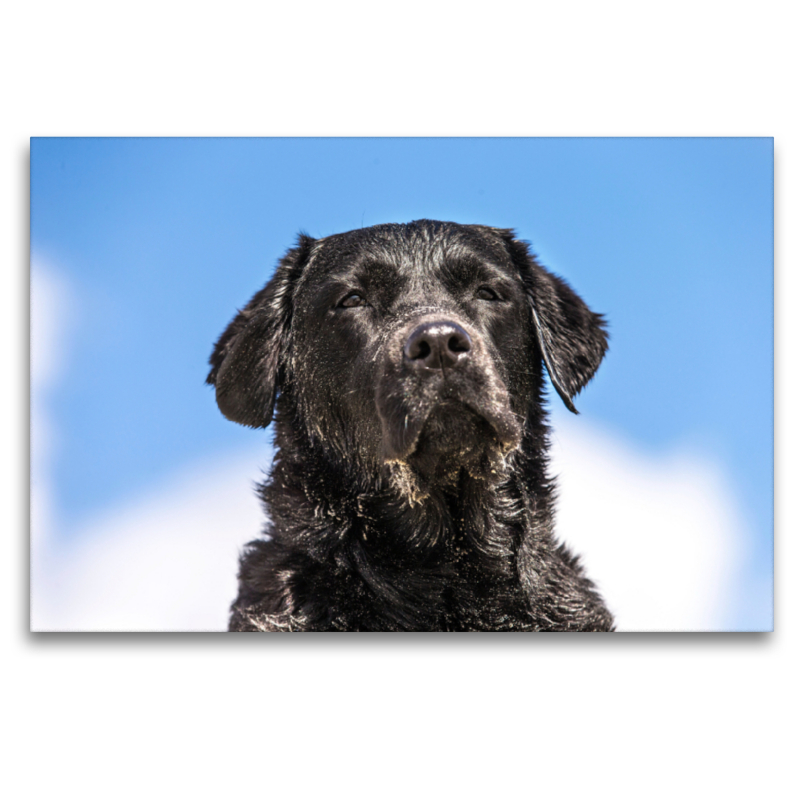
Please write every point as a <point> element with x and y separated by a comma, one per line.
<point>404,365</point>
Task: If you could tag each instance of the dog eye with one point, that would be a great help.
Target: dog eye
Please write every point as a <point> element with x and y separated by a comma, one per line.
<point>485,293</point>
<point>353,300</point>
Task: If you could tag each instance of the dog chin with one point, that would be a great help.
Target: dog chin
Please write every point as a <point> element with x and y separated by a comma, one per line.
<point>453,438</point>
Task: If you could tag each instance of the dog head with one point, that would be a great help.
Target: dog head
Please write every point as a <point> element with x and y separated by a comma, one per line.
<point>418,345</point>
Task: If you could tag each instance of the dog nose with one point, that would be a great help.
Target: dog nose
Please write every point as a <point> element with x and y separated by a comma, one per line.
<point>437,345</point>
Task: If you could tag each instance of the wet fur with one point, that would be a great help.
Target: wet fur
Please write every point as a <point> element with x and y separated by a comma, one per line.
<point>377,523</point>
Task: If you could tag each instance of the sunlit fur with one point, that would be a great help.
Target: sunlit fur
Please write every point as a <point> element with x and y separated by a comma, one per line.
<point>401,498</point>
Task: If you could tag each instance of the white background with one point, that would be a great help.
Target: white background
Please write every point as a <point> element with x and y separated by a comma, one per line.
<point>623,716</point>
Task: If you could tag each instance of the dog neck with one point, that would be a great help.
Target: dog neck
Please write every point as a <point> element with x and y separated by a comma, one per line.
<point>410,562</point>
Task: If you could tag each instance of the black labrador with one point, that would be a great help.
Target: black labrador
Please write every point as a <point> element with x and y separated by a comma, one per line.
<point>404,367</point>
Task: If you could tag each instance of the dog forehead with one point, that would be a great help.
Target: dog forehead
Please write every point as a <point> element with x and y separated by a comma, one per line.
<point>417,251</point>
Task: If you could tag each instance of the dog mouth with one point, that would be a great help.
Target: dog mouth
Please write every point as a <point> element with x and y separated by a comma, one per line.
<point>451,430</point>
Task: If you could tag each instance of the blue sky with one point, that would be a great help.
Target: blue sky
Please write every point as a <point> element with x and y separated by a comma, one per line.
<point>162,240</point>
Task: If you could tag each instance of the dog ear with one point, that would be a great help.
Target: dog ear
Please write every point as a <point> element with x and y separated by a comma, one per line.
<point>250,356</point>
<point>572,338</point>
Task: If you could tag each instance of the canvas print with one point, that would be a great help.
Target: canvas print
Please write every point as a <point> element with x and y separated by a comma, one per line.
<point>367,384</point>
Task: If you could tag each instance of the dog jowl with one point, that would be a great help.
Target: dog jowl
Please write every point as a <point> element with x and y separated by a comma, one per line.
<point>404,367</point>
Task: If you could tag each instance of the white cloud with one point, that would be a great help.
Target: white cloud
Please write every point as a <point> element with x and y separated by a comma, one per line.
<point>52,304</point>
<point>164,562</point>
<point>660,536</point>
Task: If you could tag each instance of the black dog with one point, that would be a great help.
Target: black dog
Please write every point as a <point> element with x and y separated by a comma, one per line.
<point>410,490</point>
